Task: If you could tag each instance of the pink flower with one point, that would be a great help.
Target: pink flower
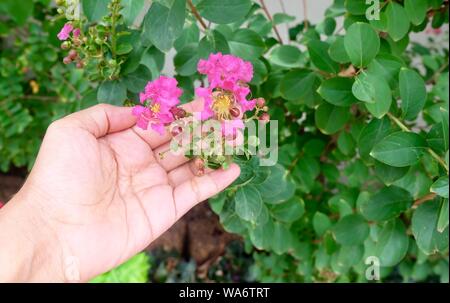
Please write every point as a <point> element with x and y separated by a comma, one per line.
<point>65,32</point>
<point>163,90</point>
<point>76,33</point>
<point>225,68</point>
<point>158,98</point>
<point>206,94</point>
<point>1,204</point>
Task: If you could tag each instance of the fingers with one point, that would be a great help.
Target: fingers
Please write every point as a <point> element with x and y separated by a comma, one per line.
<point>197,189</point>
<point>100,119</point>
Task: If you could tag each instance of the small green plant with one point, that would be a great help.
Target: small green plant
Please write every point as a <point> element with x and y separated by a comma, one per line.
<point>135,270</point>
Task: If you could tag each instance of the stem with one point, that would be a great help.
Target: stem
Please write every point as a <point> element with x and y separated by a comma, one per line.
<point>305,15</point>
<point>430,151</point>
<point>424,199</point>
<point>196,14</point>
<point>114,12</point>
<point>269,16</point>
<point>437,73</point>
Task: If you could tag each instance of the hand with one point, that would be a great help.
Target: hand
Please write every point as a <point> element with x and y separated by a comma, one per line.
<point>98,194</point>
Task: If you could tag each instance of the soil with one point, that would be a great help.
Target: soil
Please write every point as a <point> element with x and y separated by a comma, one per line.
<point>198,235</point>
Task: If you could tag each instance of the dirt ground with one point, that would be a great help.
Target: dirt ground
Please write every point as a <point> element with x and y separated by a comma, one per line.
<point>198,235</point>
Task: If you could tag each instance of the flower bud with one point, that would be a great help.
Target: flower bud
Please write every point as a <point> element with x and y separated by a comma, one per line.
<point>176,131</point>
<point>264,117</point>
<point>65,45</point>
<point>73,54</point>
<point>67,60</point>
<point>80,64</point>
<point>260,102</point>
<point>178,112</point>
<point>235,112</point>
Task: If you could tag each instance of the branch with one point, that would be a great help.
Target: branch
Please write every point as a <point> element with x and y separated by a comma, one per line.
<point>305,15</point>
<point>424,199</point>
<point>433,78</point>
<point>275,29</point>
<point>196,14</point>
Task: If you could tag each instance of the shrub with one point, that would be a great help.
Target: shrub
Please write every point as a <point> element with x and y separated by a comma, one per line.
<point>363,124</point>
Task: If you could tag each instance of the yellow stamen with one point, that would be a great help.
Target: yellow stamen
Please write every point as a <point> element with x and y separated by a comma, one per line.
<point>221,106</point>
<point>155,108</point>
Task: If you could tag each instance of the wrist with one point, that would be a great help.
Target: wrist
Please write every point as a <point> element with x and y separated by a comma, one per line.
<point>30,250</point>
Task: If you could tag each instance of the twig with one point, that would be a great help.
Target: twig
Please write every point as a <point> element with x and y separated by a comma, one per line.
<point>305,15</point>
<point>430,151</point>
<point>433,78</point>
<point>269,16</point>
<point>424,199</point>
<point>196,14</point>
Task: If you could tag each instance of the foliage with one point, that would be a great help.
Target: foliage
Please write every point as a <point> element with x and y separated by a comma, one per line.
<point>362,112</point>
<point>134,270</point>
<point>35,88</point>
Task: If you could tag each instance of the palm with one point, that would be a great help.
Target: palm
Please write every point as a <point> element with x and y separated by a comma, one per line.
<point>111,196</point>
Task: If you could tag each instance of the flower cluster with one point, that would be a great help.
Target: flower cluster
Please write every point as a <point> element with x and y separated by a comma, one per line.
<point>225,103</point>
<point>225,98</point>
<point>74,40</point>
<point>158,102</point>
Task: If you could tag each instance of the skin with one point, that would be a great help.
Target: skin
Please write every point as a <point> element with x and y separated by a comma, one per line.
<point>98,194</point>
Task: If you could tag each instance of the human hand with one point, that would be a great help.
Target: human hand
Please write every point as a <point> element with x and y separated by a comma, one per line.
<point>98,194</point>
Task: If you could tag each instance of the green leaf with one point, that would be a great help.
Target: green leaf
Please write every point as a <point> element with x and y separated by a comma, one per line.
<point>346,144</point>
<point>281,238</point>
<point>424,228</point>
<point>386,66</point>
<point>337,51</point>
<point>327,26</point>
<point>337,91</point>
<point>162,25</point>
<point>19,11</point>
<point>300,86</point>
<point>261,235</point>
<point>330,119</point>
<point>248,203</point>
<point>392,244</point>
<point>389,174</point>
<point>397,21</point>
<point>386,204</point>
<point>224,11</point>
<point>416,10</point>
<point>112,92</point>
<point>445,126</point>
<point>186,60</point>
<point>318,52</point>
<point>361,43</point>
<point>412,92</point>
<point>246,44</point>
<point>289,211</point>
<point>442,223</point>
<point>356,7</point>
<point>280,18</point>
<point>137,80</point>
<point>371,134</point>
<point>440,187</point>
<point>321,223</point>
<point>286,56</point>
<point>95,10</point>
<point>305,172</point>
<point>400,149</point>
<point>131,9</point>
<point>351,230</point>
<point>375,91</point>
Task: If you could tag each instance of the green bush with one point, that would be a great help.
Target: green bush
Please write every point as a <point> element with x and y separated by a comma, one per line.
<point>362,112</point>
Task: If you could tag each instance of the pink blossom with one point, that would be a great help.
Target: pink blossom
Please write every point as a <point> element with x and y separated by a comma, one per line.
<point>206,94</point>
<point>225,68</point>
<point>76,33</point>
<point>158,98</point>
<point>65,32</point>
<point>1,204</point>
